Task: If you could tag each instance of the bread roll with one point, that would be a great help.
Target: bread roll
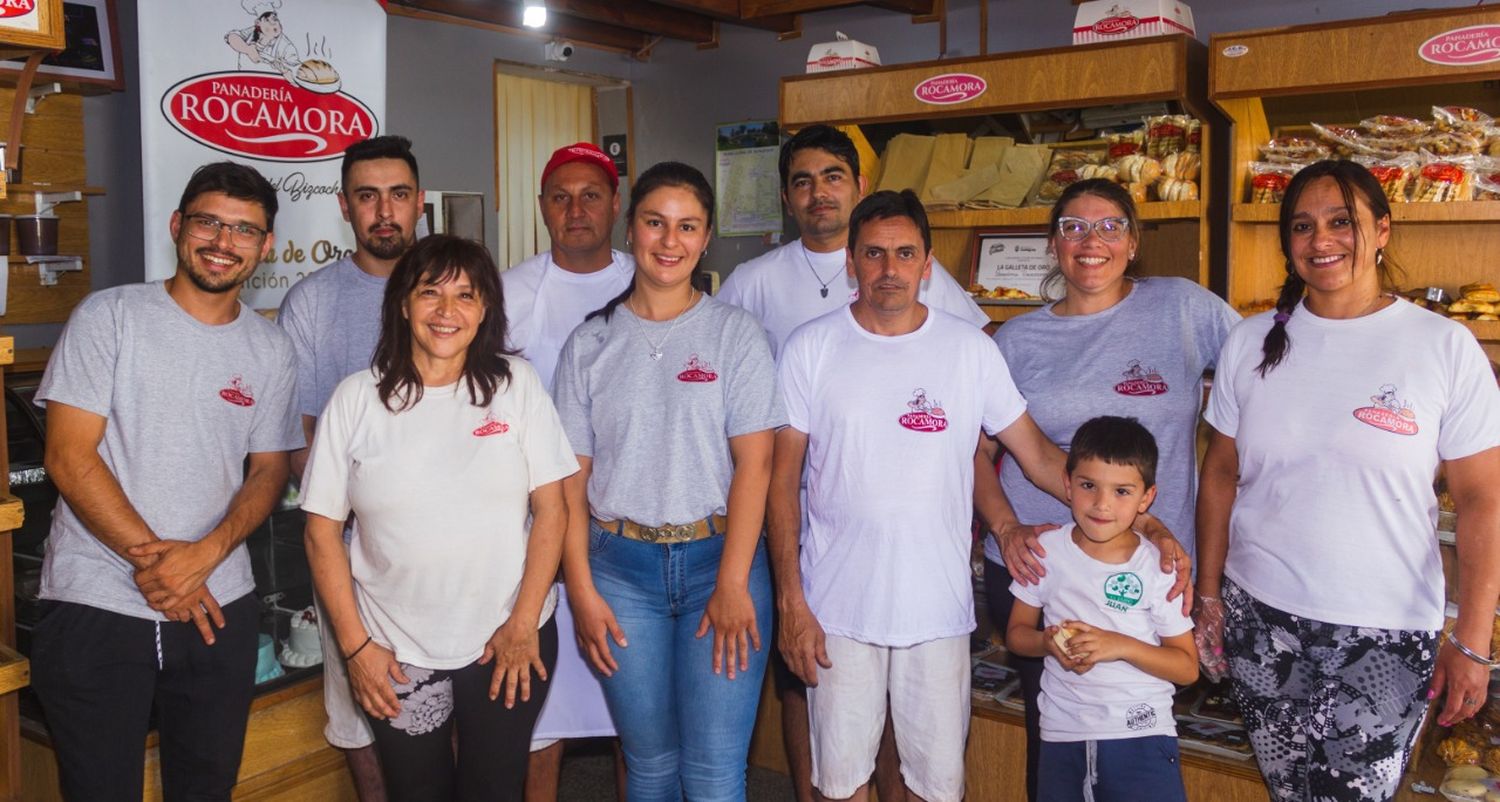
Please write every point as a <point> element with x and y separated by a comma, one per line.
<point>317,71</point>
<point>1062,636</point>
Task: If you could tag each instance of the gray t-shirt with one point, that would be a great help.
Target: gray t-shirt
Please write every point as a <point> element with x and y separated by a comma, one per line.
<point>1144,358</point>
<point>333,318</point>
<point>658,431</point>
<point>186,402</point>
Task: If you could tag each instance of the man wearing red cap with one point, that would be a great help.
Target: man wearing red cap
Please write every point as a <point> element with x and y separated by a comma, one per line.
<point>546,296</point>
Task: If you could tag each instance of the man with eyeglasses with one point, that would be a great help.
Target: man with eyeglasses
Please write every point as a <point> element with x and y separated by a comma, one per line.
<point>169,417</point>
<point>333,318</point>
<point>888,381</point>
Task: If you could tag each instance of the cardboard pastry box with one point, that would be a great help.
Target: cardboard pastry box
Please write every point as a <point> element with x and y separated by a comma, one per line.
<point>841,54</point>
<point>1109,20</point>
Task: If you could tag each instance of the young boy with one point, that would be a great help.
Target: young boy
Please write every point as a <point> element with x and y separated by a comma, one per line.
<point>1116,645</point>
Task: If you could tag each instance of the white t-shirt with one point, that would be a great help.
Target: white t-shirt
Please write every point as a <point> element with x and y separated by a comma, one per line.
<point>780,290</point>
<point>1113,700</point>
<point>1334,515</point>
<point>892,423</point>
<point>442,491</point>
<point>544,303</point>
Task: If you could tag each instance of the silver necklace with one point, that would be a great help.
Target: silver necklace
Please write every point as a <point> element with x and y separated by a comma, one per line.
<point>655,346</point>
<point>823,290</point>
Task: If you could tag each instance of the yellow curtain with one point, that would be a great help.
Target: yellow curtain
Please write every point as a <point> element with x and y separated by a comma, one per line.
<point>532,118</point>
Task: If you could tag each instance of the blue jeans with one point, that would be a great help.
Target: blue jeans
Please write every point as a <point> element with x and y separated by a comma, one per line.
<point>1125,770</point>
<point>685,731</point>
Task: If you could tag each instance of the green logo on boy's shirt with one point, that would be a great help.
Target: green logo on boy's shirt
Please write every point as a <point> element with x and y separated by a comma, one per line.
<point>1122,591</point>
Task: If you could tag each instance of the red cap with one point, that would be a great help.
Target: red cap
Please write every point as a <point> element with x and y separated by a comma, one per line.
<point>582,152</point>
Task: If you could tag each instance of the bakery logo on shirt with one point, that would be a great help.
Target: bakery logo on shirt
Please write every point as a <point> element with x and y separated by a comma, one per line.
<point>1141,381</point>
<point>491,426</point>
<point>925,415</point>
<point>238,392</point>
<point>1122,591</point>
<point>697,372</point>
<point>1388,412</point>
<point>1140,717</point>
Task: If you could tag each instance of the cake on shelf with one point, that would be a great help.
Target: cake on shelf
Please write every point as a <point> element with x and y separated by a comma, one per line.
<point>304,647</point>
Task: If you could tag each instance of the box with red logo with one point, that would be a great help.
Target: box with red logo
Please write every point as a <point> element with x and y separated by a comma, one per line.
<point>841,54</point>
<point>1110,20</point>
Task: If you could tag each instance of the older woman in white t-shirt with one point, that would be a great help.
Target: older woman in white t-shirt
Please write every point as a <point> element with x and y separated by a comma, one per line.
<point>443,602</point>
<point>1317,561</point>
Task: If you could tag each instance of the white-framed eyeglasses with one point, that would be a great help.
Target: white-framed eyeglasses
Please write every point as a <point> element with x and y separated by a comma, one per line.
<point>1109,229</point>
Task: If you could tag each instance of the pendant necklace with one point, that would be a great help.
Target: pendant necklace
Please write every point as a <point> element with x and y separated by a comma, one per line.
<point>823,290</point>
<point>656,348</point>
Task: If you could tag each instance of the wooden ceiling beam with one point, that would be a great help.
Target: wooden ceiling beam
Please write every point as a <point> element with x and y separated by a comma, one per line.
<point>916,8</point>
<point>559,26</point>
<point>751,9</point>
<point>729,11</point>
<point>640,16</point>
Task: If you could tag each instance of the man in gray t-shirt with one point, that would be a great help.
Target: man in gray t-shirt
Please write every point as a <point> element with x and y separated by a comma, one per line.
<point>333,317</point>
<point>170,412</point>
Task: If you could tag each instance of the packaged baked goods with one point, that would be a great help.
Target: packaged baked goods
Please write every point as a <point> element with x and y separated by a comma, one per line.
<point>1063,170</point>
<point>1182,165</point>
<point>1268,180</point>
<point>1137,191</point>
<point>1194,135</point>
<point>1451,143</point>
<point>1460,118</point>
<point>1139,168</point>
<point>1295,149</point>
<point>1442,180</point>
<point>1105,171</point>
<point>1456,751</point>
<point>1177,189</point>
<point>1394,174</point>
<point>1166,133</point>
<point>1486,178</point>
<point>1341,139</point>
<point>1395,125</point>
<point>1120,145</point>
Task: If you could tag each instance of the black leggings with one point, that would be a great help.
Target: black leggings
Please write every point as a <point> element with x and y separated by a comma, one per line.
<point>999,600</point>
<point>416,747</point>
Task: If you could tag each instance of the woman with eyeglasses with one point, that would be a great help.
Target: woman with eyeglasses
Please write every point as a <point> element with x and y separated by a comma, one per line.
<point>1113,344</point>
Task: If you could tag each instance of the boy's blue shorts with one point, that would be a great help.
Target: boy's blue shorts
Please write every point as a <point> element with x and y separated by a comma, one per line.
<point>1125,770</point>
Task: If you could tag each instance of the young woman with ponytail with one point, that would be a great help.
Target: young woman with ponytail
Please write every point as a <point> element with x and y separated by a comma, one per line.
<point>1319,574</point>
<point>669,399</point>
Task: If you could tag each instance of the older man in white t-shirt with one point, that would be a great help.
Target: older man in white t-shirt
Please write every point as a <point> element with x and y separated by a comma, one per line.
<point>546,297</point>
<point>887,399</point>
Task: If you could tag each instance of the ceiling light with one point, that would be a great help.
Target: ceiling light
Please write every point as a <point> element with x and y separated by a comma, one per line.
<point>535,15</point>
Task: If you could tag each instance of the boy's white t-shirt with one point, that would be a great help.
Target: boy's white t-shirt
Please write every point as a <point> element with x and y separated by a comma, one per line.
<point>442,491</point>
<point>892,423</point>
<point>1113,700</point>
<point>1334,514</point>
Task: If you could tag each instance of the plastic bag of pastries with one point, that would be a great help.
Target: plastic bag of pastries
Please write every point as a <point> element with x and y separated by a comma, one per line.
<point>1182,164</point>
<point>1127,143</point>
<point>1394,174</point>
<point>1458,751</point>
<point>1106,171</point>
<point>1177,189</point>
<point>1194,135</point>
<point>1294,149</point>
<point>1342,140</point>
<point>1451,143</point>
<point>1395,125</point>
<point>1486,178</point>
<point>1063,169</point>
<point>1441,180</point>
<point>1268,180</point>
<point>1167,133</point>
<point>1460,118</point>
<point>1139,169</point>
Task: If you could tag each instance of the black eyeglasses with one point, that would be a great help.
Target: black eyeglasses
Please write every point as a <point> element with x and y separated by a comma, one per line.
<point>201,226</point>
<point>1109,229</point>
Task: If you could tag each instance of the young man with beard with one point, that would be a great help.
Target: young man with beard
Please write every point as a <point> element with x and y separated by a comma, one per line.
<point>157,397</point>
<point>546,297</point>
<point>333,318</point>
<point>888,381</point>
<point>804,279</point>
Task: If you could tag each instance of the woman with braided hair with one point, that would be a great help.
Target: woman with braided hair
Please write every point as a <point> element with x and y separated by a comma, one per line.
<point>1318,570</point>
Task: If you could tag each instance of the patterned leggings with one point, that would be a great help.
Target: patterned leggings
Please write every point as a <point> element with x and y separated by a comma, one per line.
<point>1332,711</point>
<point>416,747</point>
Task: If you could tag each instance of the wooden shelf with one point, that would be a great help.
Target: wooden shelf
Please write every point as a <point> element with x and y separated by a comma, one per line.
<point>15,670</point>
<point>1451,212</point>
<point>1483,329</point>
<point>28,188</point>
<point>1042,215</point>
<point>1000,313</point>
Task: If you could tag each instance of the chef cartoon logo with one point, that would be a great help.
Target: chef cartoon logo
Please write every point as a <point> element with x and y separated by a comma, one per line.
<point>1122,591</point>
<point>925,415</point>
<point>238,392</point>
<point>1388,412</point>
<point>1140,717</point>
<point>278,105</point>
<point>697,371</point>
<point>491,425</point>
<point>1140,381</point>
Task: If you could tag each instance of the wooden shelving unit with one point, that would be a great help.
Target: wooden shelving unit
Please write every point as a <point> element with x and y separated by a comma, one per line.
<point>1339,73</point>
<point>1180,239</point>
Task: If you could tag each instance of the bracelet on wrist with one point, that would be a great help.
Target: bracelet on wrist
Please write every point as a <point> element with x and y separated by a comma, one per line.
<point>1470,653</point>
<point>1214,599</point>
<point>360,649</point>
